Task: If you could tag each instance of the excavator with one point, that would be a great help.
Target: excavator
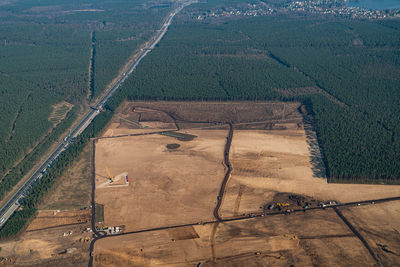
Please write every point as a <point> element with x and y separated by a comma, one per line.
<point>111,178</point>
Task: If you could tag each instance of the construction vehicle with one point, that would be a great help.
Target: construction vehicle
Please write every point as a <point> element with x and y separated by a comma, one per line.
<point>111,178</point>
<point>282,204</point>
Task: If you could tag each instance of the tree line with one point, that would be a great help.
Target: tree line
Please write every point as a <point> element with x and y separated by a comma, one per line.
<point>354,61</point>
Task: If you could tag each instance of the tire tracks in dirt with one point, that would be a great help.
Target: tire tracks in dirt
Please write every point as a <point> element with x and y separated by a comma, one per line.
<point>227,174</point>
<point>101,234</point>
<point>358,234</point>
<point>228,144</point>
<point>242,188</point>
<point>212,241</point>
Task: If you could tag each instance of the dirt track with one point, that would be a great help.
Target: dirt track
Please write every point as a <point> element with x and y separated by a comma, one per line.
<point>307,238</point>
<point>362,239</point>
<point>227,174</point>
<point>51,218</point>
<point>256,219</point>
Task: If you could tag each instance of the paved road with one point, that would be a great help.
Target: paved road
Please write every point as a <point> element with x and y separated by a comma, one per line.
<point>14,202</point>
<point>241,218</point>
<point>103,234</point>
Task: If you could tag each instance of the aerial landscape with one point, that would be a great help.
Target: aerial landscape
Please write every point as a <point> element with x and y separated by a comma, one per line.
<point>200,133</point>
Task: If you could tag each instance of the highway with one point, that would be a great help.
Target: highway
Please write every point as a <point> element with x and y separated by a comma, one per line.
<point>14,201</point>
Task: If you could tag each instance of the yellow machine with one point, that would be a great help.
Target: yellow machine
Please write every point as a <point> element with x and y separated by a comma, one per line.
<point>282,204</point>
<point>109,175</point>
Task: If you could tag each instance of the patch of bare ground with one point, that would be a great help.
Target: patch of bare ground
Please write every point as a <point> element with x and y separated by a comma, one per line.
<point>271,163</point>
<point>57,236</point>
<point>267,162</point>
<point>235,112</point>
<point>72,189</point>
<point>53,218</point>
<point>380,226</point>
<point>59,112</point>
<point>63,246</point>
<point>165,187</point>
<point>318,238</point>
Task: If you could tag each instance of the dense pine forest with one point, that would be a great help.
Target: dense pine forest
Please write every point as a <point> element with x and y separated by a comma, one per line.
<point>121,33</point>
<point>348,70</point>
<point>45,51</point>
<point>20,218</point>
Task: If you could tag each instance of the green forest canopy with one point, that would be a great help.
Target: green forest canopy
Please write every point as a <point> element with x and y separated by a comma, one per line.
<point>356,62</point>
<point>45,53</point>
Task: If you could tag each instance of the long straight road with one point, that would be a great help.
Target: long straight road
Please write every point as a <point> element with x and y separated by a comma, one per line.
<point>13,202</point>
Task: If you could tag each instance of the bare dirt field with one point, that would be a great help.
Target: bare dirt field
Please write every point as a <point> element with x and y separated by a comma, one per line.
<point>62,246</point>
<point>165,187</point>
<point>52,218</point>
<point>267,162</point>
<point>72,190</point>
<point>305,239</point>
<point>52,238</point>
<point>380,226</point>
<point>174,182</point>
<point>57,236</point>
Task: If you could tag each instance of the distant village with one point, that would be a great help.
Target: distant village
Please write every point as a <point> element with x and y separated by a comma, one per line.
<point>337,8</point>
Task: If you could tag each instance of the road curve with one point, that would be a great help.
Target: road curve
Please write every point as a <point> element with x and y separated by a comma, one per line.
<point>102,234</point>
<point>227,174</point>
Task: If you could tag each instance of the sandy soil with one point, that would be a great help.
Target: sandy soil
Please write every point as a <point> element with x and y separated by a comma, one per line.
<point>116,131</point>
<point>314,238</point>
<point>52,218</point>
<point>46,247</point>
<point>72,190</point>
<point>59,117</point>
<point>379,224</point>
<point>176,187</point>
<point>267,162</point>
<point>166,187</point>
<point>236,112</point>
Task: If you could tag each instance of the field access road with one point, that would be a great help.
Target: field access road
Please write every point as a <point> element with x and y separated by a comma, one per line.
<point>358,234</point>
<point>227,173</point>
<point>241,218</point>
<point>103,234</point>
<point>13,202</point>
